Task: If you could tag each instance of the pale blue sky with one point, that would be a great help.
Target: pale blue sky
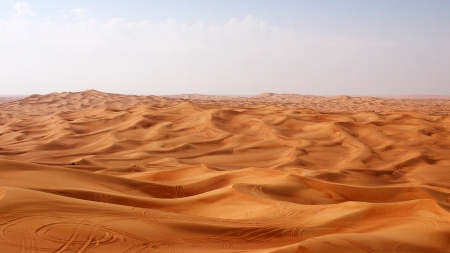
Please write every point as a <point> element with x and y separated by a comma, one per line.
<point>226,47</point>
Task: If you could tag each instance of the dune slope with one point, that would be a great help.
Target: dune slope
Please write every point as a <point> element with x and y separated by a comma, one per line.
<point>100,172</point>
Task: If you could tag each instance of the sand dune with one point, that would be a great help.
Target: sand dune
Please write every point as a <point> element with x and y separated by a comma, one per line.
<point>5,99</point>
<point>100,172</point>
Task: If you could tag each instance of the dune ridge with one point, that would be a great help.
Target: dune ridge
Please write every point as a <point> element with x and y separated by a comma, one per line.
<point>100,172</point>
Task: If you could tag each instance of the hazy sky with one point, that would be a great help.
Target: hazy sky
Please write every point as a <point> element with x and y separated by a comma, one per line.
<point>226,47</point>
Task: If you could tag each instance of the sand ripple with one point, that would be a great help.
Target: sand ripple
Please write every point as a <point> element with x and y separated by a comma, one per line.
<point>99,172</point>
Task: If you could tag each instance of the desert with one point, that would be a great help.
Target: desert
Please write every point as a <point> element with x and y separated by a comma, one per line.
<point>100,172</point>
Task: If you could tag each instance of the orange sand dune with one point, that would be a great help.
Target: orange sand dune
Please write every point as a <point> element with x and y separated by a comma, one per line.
<point>100,172</point>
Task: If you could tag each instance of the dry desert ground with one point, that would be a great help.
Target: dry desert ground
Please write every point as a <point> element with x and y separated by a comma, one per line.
<point>99,172</point>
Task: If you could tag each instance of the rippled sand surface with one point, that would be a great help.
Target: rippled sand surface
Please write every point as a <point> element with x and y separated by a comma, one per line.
<point>100,172</point>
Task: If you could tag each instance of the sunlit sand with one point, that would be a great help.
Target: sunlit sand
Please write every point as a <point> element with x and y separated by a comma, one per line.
<point>101,172</point>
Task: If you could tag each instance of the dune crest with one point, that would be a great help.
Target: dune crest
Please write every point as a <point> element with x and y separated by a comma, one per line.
<point>100,172</point>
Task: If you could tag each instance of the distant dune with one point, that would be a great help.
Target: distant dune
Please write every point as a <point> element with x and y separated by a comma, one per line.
<point>99,172</point>
<point>4,99</point>
<point>417,96</point>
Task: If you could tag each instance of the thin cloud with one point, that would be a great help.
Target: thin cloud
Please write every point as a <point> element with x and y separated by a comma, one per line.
<point>23,9</point>
<point>80,13</point>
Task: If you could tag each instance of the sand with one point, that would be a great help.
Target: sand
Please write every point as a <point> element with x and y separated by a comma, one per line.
<point>100,172</point>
